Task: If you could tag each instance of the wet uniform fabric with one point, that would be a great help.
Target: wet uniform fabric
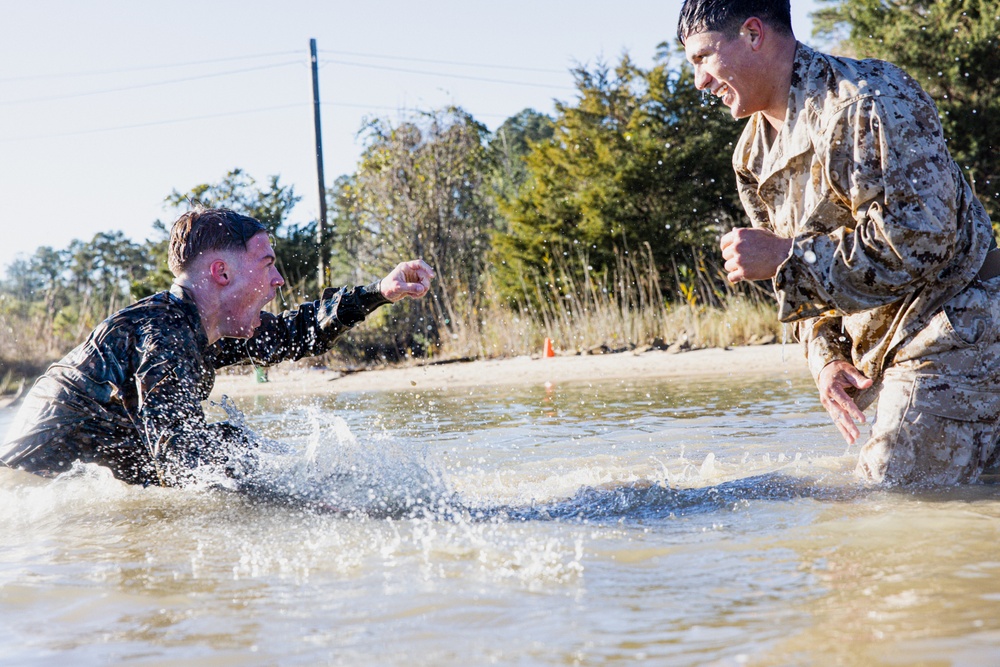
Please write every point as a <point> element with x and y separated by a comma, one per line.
<point>888,241</point>
<point>129,398</point>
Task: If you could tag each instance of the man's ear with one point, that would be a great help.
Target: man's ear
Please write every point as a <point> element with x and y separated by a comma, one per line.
<point>220,272</point>
<point>753,31</point>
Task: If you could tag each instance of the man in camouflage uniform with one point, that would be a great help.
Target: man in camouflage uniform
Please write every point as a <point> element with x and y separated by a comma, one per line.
<point>879,251</point>
<point>129,398</point>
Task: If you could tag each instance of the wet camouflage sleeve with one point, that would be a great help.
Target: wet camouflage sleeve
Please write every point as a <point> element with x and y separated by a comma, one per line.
<point>306,332</point>
<point>893,199</point>
<point>825,341</point>
<point>169,415</point>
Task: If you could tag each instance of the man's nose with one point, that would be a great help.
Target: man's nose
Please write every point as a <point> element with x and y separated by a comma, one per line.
<point>701,78</point>
<point>277,281</point>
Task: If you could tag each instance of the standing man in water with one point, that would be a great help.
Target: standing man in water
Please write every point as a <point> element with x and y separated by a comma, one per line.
<point>879,251</point>
<point>129,398</point>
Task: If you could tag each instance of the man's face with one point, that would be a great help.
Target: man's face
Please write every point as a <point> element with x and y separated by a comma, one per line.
<point>724,67</point>
<point>253,283</point>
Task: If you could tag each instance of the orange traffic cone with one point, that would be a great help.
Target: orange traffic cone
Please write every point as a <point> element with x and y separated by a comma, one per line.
<point>549,352</point>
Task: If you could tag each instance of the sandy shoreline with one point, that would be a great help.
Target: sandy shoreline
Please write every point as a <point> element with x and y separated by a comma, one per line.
<point>759,361</point>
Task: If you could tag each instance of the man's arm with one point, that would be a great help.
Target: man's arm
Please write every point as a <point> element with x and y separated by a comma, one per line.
<point>887,223</point>
<point>409,279</point>
<point>168,413</point>
<point>312,328</point>
<point>753,254</point>
<point>756,254</point>
<point>309,330</point>
<point>838,384</point>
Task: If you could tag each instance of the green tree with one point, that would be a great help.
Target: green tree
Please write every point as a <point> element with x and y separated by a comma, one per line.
<point>419,192</point>
<point>508,147</point>
<point>342,205</point>
<point>640,158</point>
<point>24,281</point>
<point>952,47</point>
<point>158,278</point>
<point>37,283</point>
<point>100,274</point>
<point>66,292</point>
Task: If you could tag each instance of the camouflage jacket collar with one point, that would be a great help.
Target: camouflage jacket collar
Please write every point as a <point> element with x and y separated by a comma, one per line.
<point>802,84</point>
<point>793,137</point>
<point>185,300</point>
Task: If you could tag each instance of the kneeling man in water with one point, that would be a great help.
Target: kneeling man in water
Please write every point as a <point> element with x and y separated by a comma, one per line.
<point>129,398</point>
<point>879,252</point>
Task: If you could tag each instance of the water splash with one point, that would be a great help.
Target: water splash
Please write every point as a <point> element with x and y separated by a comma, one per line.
<point>644,501</point>
<point>333,471</point>
<point>329,470</point>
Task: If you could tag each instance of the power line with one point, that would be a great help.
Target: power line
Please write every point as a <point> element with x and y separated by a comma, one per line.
<point>153,84</point>
<point>446,75</point>
<point>402,109</point>
<point>187,119</point>
<point>153,123</point>
<point>367,107</point>
<point>443,62</point>
<point>212,61</point>
<point>123,70</point>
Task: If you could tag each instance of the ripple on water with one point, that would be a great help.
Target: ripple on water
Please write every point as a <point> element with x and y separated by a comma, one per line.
<point>567,528</point>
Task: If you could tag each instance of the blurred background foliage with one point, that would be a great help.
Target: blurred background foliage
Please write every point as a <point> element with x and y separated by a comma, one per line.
<point>596,226</point>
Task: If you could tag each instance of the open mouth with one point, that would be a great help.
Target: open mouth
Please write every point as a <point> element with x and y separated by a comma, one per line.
<point>723,91</point>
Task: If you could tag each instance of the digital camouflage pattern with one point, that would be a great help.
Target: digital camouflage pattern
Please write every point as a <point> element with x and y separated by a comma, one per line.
<point>937,414</point>
<point>887,235</point>
<point>129,397</point>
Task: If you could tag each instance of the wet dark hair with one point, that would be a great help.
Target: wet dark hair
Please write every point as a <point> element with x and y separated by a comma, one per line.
<point>726,16</point>
<point>203,229</point>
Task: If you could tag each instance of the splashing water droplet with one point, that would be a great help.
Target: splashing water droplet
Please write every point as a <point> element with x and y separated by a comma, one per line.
<point>784,339</point>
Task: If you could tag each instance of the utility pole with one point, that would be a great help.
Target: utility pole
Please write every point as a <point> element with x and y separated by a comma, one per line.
<point>321,223</point>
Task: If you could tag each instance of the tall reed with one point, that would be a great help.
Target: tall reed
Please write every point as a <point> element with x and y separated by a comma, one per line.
<point>589,311</point>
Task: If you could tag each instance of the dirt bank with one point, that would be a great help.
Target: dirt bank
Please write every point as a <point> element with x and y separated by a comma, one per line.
<point>764,360</point>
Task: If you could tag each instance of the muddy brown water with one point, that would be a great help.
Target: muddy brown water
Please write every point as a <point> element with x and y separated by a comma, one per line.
<point>619,523</point>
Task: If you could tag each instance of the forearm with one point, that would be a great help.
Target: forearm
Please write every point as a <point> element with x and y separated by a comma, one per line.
<point>825,342</point>
<point>844,272</point>
<point>308,331</point>
<point>181,443</point>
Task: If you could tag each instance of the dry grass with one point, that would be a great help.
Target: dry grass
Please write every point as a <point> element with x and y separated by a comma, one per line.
<point>25,349</point>
<point>604,326</point>
<point>613,311</point>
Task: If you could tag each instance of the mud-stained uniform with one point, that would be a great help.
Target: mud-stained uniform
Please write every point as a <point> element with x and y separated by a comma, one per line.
<point>884,271</point>
<point>129,397</point>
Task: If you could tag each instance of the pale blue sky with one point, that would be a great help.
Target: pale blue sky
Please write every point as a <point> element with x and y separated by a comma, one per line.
<point>108,105</point>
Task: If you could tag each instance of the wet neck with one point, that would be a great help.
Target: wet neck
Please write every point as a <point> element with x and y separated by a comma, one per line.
<point>208,307</point>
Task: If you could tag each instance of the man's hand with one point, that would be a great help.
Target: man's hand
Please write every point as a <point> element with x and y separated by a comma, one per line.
<point>836,378</point>
<point>412,279</point>
<point>753,254</point>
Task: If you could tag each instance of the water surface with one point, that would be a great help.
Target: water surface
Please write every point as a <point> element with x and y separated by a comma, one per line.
<point>611,523</point>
